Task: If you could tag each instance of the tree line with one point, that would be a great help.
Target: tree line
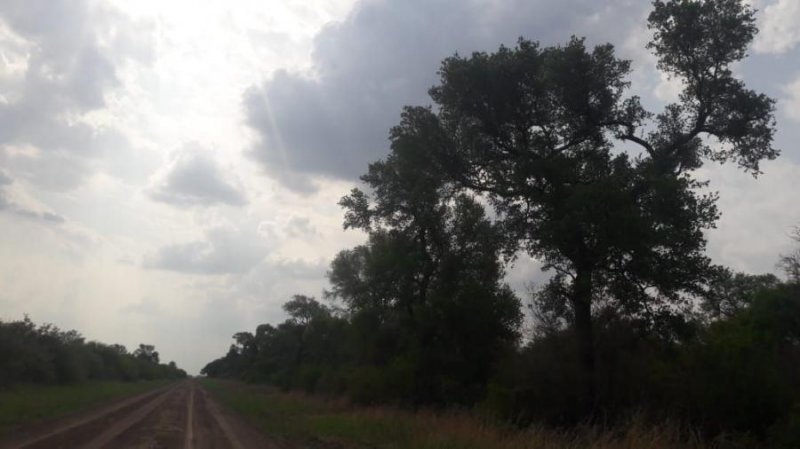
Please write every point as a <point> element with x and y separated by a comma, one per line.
<point>45,354</point>
<point>542,151</point>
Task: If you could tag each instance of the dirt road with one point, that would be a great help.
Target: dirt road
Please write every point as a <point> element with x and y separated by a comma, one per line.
<point>182,416</point>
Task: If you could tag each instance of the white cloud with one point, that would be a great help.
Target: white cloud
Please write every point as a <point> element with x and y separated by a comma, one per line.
<point>11,205</point>
<point>195,178</point>
<point>91,95</point>
<point>757,214</point>
<point>668,89</point>
<point>792,104</point>
<point>778,27</point>
<point>66,57</point>
<point>224,250</point>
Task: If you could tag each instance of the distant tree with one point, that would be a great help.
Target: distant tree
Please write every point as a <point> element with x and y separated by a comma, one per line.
<point>244,340</point>
<point>790,263</point>
<point>46,354</point>
<point>549,308</point>
<point>303,309</point>
<point>730,293</point>
<point>119,349</point>
<point>292,354</point>
<point>537,129</point>
<point>147,353</point>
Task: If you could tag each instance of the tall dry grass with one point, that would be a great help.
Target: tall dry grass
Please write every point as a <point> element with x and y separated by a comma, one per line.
<point>336,423</point>
<point>429,429</point>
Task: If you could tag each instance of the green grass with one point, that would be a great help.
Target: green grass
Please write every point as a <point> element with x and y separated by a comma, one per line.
<point>280,415</point>
<point>25,404</point>
<point>316,422</point>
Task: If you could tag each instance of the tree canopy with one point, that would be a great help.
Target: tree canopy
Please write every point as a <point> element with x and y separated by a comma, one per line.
<point>429,280</point>
<point>544,151</point>
<point>583,177</point>
<point>46,354</point>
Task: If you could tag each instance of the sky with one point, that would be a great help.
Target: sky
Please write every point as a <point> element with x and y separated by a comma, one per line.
<point>169,170</point>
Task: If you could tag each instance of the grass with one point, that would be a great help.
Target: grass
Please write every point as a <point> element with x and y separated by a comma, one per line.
<point>25,404</point>
<point>316,422</point>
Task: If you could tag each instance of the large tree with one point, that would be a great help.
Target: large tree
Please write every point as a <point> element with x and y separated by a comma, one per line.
<point>583,177</point>
<point>426,291</point>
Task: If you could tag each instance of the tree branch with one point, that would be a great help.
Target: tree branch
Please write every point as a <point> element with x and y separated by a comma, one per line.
<point>629,135</point>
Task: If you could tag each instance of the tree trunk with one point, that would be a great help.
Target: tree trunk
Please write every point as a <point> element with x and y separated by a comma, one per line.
<point>582,307</point>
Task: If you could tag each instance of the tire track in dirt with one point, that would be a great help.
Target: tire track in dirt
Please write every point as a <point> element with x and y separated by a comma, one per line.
<point>189,441</point>
<point>47,435</point>
<point>163,426</point>
<point>183,416</point>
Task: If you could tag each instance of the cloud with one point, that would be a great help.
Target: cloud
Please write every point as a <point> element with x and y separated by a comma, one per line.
<point>778,27</point>
<point>65,58</point>
<point>38,216</point>
<point>300,227</point>
<point>333,121</point>
<point>757,214</point>
<point>792,104</point>
<point>4,201</point>
<point>9,205</point>
<point>273,282</point>
<point>211,309</point>
<point>194,178</point>
<point>224,250</point>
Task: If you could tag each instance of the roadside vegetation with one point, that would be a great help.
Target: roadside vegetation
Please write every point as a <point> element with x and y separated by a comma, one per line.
<point>25,404</point>
<point>45,354</point>
<point>310,421</point>
<point>542,152</point>
<point>46,372</point>
<point>729,378</point>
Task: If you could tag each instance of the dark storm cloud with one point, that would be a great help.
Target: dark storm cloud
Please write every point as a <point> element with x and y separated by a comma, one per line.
<point>71,52</point>
<point>195,179</point>
<point>385,55</point>
<point>222,251</point>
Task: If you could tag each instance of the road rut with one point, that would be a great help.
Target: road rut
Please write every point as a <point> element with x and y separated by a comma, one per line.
<point>182,416</point>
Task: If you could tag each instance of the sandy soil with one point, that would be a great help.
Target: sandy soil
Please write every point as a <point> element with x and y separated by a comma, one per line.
<point>183,416</point>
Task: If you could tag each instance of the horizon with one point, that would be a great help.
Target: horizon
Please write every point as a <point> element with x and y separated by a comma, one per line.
<point>169,173</point>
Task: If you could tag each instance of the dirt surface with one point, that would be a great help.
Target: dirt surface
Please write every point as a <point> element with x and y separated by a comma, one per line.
<point>182,416</point>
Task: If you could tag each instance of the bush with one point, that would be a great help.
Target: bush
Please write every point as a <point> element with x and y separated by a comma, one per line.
<point>45,354</point>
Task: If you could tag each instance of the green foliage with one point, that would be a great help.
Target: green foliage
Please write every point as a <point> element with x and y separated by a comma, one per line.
<point>635,318</point>
<point>46,354</point>
<point>790,263</point>
<point>425,294</point>
<point>538,130</point>
<point>754,354</point>
<point>310,422</point>
<point>731,293</point>
<point>146,353</point>
<point>735,373</point>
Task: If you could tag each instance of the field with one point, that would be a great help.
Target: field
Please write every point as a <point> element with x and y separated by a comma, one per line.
<point>316,422</point>
<point>26,404</point>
